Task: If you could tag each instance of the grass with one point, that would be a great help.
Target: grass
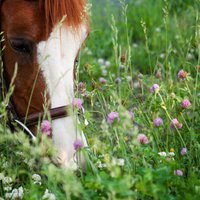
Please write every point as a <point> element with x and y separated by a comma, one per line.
<point>132,45</point>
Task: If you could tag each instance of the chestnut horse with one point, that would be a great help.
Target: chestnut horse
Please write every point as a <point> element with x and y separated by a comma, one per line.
<point>44,37</point>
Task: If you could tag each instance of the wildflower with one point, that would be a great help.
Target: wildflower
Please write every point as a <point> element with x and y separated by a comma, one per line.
<point>183,151</point>
<point>189,56</point>
<point>158,122</point>
<point>118,161</point>
<point>171,154</point>
<point>104,72</point>
<point>81,87</point>
<point>154,88</point>
<point>102,80</point>
<point>48,195</point>
<point>129,78</point>
<point>136,84</point>
<point>158,74</point>
<point>163,154</point>
<point>77,103</point>
<point>182,74</point>
<point>162,55</point>
<point>112,116</point>
<point>171,150</point>
<point>158,30</point>
<point>142,139</point>
<point>131,115</point>
<point>46,128</point>
<point>185,103</point>
<point>178,172</point>
<point>37,179</point>
<point>107,63</point>
<point>78,144</point>
<point>175,124</point>
<point>101,61</point>
<point>118,81</point>
<point>15,194</point>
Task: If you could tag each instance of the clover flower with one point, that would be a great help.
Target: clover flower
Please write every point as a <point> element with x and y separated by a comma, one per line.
<point>77,103</point>
<point>46,128</point>
<point>112,116</point>
<point>182,74</point>
<point>102,80</point>
<point>163,154</point>
<point>158,122</point>
<point>131,115</point>
<point>178,172</point>
<point>82,87</point>
<point>183,151</point>
<point>78,144</point>
<point>185,103</point>
<point>175,124</point>
<point>37,179</point>
<point>154,88</point>
<point>142,139</point>
<point>48,195</point>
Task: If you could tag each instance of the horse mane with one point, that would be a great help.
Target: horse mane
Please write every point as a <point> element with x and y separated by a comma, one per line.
<point>55,10</point>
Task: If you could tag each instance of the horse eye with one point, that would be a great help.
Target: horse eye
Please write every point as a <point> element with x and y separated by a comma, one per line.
<point>21,45</point>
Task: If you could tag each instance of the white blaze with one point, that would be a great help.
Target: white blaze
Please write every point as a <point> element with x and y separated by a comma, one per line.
<point>56,57</point>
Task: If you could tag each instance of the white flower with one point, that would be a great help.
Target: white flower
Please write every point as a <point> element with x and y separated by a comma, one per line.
<point>163,154</point>
<point>171,154</point>
<point>101,61</point>
<point>135,45</point>
<point>7,180</point>
<point>37,179</point>
<point>129,78</point>
<point>104,72</point>
<point>107,63</point>
<point>162,55</point>
<point>118,161</point>
<point>48,195</point>
<point>8,188</point>
<point>15,194</point>
<point>158,30</point>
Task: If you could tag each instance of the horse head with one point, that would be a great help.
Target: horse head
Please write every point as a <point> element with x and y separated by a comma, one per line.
<point>44,37</point>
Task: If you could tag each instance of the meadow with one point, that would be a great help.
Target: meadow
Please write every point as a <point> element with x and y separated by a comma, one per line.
<point>138,78</point>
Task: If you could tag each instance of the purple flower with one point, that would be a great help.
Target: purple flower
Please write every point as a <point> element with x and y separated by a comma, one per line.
<point>154,88</point>
<point>142,139</point>
<point>112,116</point>
<point>102,80</point>
<point>77,103</point>
<point>178,172</point>
<point>185,103</point>
<point>78,144</point>
<point>81,87</point>
<point>183,151</point>
<point>46,128</point>
<point>131,115</point>
<point>182,74</point>
<point>158,122</point>
<point>175,124</point>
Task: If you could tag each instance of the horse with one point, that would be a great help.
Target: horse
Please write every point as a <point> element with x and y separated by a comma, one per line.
<point>44,38</point>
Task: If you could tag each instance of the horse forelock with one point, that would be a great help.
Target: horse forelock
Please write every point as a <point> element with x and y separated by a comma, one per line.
<point>72,10</point>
